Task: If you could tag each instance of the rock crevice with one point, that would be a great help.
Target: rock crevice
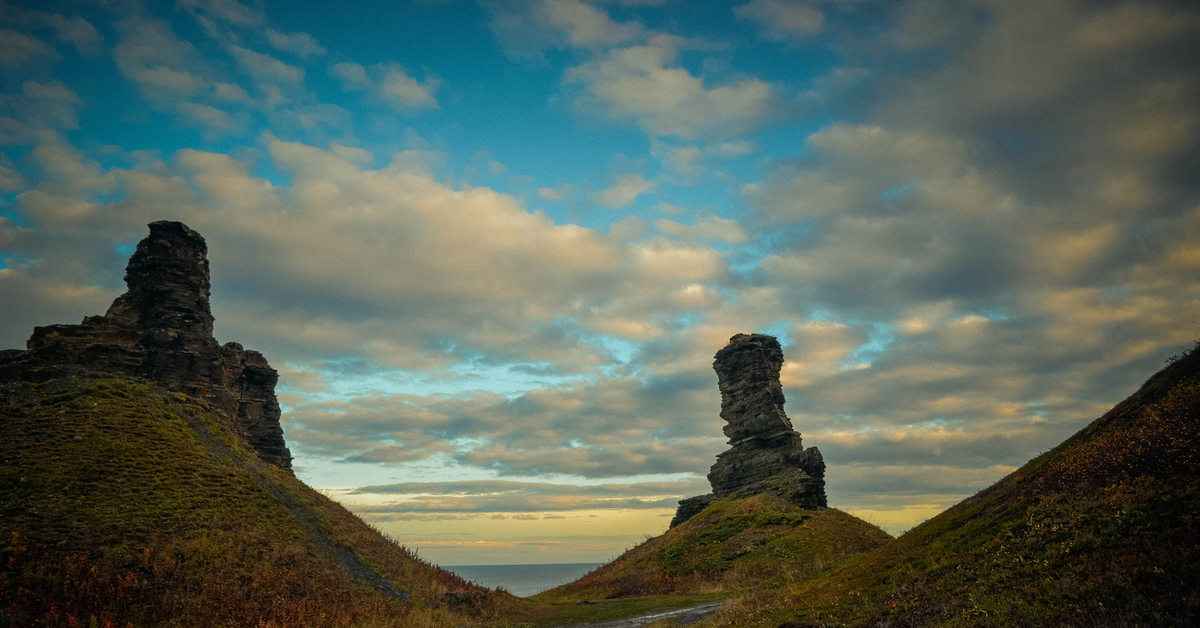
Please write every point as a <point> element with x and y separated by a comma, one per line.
<point>161,330</point>
<point>767,454</point>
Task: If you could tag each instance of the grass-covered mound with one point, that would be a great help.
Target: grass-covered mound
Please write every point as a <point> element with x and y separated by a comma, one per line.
<point>1101,531</point>
<point>120,506</point>
<point>731,545</point>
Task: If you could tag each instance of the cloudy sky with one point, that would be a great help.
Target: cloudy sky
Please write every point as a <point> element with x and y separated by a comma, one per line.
<point>493,245</point>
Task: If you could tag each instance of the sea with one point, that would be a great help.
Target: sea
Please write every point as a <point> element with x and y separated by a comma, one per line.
<point>522,580</point>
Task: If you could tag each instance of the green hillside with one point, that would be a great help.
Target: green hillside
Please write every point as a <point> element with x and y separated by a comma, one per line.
<point>1100,531</point>
<point>731,545</point>
<point>122,507</point>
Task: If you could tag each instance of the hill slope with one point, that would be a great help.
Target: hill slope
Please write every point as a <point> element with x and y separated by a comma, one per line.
<point>1100,531</point>
<point>730,545</point>
<point>122,505</point>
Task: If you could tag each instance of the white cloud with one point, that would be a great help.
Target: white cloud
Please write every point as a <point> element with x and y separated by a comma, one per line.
<point>525,29</point>
<point>301,44</point>
<point>687,161</point>
<point>403,92</point>
<point>352,75</point>
<point>74,30</point>
<point>711,228</point>
<point>49,105</point>
<point>17,48</point>
<point>783,19</point>
<point>231,93</point>
<point>394,86</point>
<point>10,179</point>
<point>643,83</point>
<point>230,11</point>
<point>556,193</point>
<point>213,119</point>
<point>584,25</point>
<point>266,67</point>
<point>626,190</point>
<point>79,32</point>
<point>165,67</point>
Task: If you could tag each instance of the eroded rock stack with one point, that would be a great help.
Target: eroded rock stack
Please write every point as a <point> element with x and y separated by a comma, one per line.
<point>767,454</point>
<point>161,330</point>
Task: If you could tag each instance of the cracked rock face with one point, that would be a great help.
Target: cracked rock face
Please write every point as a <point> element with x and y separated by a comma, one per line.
<point>767,454</point>
<point>161,330</point>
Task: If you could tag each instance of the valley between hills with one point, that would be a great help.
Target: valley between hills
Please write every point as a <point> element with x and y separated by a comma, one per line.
<point>145,481</point>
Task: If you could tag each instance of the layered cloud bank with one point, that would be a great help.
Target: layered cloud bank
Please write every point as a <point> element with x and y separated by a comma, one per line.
<point>495,256</point>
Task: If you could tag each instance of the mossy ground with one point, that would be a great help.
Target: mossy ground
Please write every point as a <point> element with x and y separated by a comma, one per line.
<point>1100,531</point>
<point>729,547</point>
<point>120,506</point>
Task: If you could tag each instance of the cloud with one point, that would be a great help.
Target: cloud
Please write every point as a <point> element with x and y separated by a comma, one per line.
<point>17,48</point>
<point>711,228</point>
<point>614,428</point>
<point>781,19</point>
<point>403,92</point>
<point>166,68</point>
<point>625,191</point>
<point>393,86</point>
<point>687,161</point>
<point>352,75</point>
<point>265,67</point>
<point>525,29</point>
<point>79,32</point>
<point>584,25</point>
<point>44,106</point>
<point>211,118</point>
<point>643,84</point>
<point>230,11</point>
<point>301,44</point>
<point>10,179</point>
<point>556,193</point>
<point>74,30</point>
<point>522,497</point>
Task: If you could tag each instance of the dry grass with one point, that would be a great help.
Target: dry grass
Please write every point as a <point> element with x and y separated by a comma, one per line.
<point>733,545</point>
<point>119,507</point>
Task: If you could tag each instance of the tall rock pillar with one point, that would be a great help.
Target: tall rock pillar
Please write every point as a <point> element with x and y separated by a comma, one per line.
<point>767,454</point>
<point>161,330</point>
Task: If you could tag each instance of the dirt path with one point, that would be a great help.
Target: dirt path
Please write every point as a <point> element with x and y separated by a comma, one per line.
<point>687,617</point>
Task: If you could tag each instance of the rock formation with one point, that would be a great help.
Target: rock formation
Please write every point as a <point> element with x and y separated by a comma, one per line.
<point>161,330</point>
<point>767,454</point>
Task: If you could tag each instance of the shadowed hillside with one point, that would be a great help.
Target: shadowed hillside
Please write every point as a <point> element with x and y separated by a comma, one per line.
<point>145,481</point>
<point>120,504</point>
<point>1100,531</point>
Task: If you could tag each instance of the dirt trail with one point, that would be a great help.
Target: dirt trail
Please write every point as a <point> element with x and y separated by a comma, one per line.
<point>687,617</point>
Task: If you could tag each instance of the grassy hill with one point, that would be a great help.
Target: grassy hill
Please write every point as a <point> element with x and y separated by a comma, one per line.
<point>122,507</point>
<point>731,545</point>
<point>1100,531</point>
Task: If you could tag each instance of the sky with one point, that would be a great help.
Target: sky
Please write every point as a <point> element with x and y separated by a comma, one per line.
<point>492,245</point>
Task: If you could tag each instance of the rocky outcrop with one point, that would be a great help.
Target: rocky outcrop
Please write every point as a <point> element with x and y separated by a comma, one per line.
<point>767,453</point>
<point>161,330</point>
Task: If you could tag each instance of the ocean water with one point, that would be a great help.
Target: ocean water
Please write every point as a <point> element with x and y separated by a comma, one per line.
<point>522,580</point>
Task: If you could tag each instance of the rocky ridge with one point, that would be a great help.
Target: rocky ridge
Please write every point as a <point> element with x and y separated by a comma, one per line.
<point>767,454</point>
<point>161,330</point>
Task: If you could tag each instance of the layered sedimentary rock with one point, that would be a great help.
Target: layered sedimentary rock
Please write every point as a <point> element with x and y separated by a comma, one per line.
<point>161,330</point>
<point>767,454</point>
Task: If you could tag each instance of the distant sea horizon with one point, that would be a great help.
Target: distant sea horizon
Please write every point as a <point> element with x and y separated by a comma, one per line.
<point>522,580</point>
